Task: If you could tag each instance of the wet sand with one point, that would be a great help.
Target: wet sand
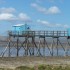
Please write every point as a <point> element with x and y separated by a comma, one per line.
<point>13,62</point>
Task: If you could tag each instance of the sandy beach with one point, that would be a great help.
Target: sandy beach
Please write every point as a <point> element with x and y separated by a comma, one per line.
<point>13,62</point>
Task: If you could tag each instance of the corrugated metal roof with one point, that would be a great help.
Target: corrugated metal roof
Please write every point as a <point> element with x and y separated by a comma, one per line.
<point>18,25</point>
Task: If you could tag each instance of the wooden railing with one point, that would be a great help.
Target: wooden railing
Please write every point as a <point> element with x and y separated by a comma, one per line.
<point>39,33</point>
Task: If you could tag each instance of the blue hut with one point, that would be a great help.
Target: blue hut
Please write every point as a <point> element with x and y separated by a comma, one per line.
<point>68,31</point>
<point>19,28</point>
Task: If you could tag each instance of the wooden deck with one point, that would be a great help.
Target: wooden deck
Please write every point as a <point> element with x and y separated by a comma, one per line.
<point>39,33</point>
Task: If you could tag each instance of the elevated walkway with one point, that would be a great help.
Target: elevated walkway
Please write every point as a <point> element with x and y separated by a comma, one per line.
<point>54,34</point>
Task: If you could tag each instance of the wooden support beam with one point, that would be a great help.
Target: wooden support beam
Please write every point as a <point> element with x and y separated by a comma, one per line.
<point>44,47</point>
<point>52,46</point>
<point>57,47</point>
<point>9,46</point>
<point>17,46</point>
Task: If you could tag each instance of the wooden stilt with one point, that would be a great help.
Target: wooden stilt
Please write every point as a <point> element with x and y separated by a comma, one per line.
<point>57,46</point>
<point>9,47</point>
<point>44,48</point>
<point>33,40</point>
<point>52,46</point>
<point>17,47</point>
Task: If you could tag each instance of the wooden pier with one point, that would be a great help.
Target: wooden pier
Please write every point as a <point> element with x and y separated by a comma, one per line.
<point>34,43</point>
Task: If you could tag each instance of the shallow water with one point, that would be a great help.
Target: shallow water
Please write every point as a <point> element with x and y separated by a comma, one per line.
<point>46,52</point>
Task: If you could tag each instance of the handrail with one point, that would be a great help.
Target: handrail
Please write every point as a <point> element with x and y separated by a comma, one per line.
<point>38,33</point>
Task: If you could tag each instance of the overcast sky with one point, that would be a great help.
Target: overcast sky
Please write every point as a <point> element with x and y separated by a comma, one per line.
<point>39,14</point>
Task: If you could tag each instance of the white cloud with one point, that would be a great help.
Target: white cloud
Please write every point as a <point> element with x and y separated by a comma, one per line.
<point>7,10</point>
<point>10,14</point>
<point>12,17</point>
<point>40,9</point>
<point>7,16</point>
<point>48,24</point>
<point>44,22</point>
<point>34,5</point>
<point>24,17</point>
<point>51,10</point>
<point>66,26</point>
<point>56,0</point>
<point>58,24</point>
<point>40,1</point>
<point>51,0</point>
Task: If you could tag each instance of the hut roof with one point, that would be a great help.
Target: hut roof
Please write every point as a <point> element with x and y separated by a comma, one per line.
<point>18,25</point>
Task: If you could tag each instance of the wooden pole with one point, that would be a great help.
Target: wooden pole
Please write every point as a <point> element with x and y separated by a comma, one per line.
<point>57,42</point>
<point>52,46</point>
<point>33,40</point>
<point>9,46</point>
<point>17,45</point>
<point>44,48</point>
